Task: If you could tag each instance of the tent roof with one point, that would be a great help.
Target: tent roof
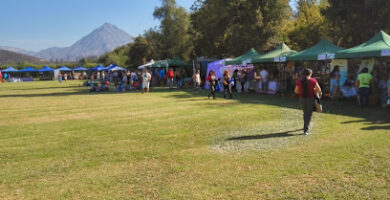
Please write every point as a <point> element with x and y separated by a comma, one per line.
<point>313,53</point>
<point>117,68</point>
<point>80,68</point>
<point>377,46</point>
<point>46,69</point>
<point>275,55</point>
<point>10,69</point>
<point>248,56</point>
<point>171,63</point>
<point>64,68</point>
<point>98,68</point>
<point>28,69</point>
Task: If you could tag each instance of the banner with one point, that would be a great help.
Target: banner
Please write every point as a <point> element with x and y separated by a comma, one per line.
<point>369,63</point>
<point>385,52</point>
<point>343,64</point>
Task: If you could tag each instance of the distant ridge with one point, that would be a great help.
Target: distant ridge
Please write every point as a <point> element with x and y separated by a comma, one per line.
<point>9,57</point>
<point>101,40</point>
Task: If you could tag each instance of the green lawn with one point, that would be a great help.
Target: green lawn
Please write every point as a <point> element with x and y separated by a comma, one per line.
<point>58,141</point>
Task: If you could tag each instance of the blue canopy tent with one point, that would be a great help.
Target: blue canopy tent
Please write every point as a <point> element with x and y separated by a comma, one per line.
<point>117,68</point>
<point>80,68</point>
<point>64,69</point>
<point>98,68</point>
<point>28,69</point>
<point>46,69</point>
<point>110,67</point>
<point>10,69</point>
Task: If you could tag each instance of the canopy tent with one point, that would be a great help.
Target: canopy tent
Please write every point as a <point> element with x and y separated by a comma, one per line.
<point>277,55</point>
<point>146,64</point>
<point>117,68</point>
<point>28,69</point>
<point>324,50</point>
<point>98,68</point>
<point>377,46</point>
<point>46,69</point>
<point>64,69</point>
<point>80,68</point>
<point>170,63</point>
<point>10,69</point>
<point>110,67</point>
<point>243,59</point>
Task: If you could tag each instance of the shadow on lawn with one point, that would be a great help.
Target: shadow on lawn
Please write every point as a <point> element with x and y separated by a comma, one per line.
<point>266,136</point>
<point>374,117</point>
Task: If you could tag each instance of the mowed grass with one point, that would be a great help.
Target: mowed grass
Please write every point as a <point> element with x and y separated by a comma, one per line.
<point>58,141</point>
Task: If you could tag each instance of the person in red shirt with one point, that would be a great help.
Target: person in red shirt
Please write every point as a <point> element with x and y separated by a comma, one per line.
<point>307,88</point>
<point>170,76</point>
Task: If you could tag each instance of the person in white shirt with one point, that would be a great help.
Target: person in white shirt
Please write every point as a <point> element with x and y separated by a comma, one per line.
<point>197,80</point>
<point>264,80</point>
<point>146,77</point>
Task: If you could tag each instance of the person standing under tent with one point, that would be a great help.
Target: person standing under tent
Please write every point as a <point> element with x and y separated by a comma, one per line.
<point>197,80</point>
<point>227,85</point>
<point>1,77</point>
<point>162,76</point>
<point>146,78</point>
<point>242,79</point>
<point>307,88</point>
<point>264,80</point>
<point>59,77</point>
<point>334,82</point>
<point>363,84</point>
<point>170,76</point>
<point>212,81</point>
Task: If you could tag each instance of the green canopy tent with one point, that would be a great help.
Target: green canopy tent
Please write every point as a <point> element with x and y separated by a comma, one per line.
<point>275,56</point>
<point>324,50</point>
<point>377,46</point>
<point>246,58</point>
<point>170,63</point>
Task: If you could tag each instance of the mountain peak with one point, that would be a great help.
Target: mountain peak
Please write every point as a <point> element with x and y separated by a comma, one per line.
<point>101,40</point>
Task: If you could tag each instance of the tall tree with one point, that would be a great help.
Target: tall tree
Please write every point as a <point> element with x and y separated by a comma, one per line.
<point>175,25</point>
<point>309,26</point>
<point>229,28</point>
<point>356,21</point>
<point>140,52</point>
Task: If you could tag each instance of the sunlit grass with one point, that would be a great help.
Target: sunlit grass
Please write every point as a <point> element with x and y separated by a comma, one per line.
<point>58,141</point>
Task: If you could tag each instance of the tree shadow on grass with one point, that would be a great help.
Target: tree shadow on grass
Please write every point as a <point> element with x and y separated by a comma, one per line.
<point>266,136</point>
<point>374,117</point>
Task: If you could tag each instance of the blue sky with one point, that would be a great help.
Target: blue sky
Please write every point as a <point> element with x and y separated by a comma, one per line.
<point>39,24</point>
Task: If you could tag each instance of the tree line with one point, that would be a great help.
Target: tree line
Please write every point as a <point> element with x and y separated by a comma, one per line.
<point>228,28</point>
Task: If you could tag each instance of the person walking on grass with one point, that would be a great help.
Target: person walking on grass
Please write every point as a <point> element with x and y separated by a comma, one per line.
<point>212,81</point>
<point>227,86</point>
<point>146,77</point>
<point>363,83</point>
<point>307,88</point>
<point>197,80</point>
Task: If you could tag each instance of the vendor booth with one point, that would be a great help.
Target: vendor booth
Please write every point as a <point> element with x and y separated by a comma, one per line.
<point>320,56</point>
<point>28,73</point>
<point>243,59</point>
<point>11,74</point>
<point>276,59</point>
<point>46,73</point>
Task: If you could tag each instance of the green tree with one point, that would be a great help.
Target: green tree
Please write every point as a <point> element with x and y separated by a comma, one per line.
<point>309,26</point>
<point>229,28</point>
<point>140,52</point>
<point>355,21</point>
<point>174,27</point>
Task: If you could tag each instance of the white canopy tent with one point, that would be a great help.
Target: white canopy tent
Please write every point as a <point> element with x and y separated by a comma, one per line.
<point>146,64</point>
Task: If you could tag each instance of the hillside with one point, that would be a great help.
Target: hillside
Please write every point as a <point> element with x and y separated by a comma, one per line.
<point>8,57</point>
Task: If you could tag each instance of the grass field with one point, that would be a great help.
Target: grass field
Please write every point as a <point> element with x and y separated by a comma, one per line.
<point>58,141</point>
